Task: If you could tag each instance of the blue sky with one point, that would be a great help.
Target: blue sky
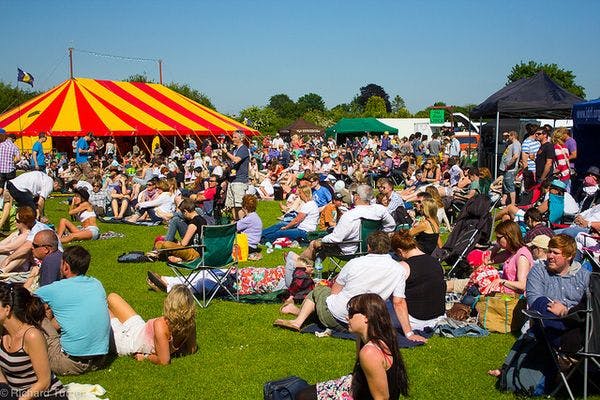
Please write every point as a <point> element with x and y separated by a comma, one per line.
<point>240,53</point>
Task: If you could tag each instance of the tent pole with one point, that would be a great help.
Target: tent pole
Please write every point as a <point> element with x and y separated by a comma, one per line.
<point>480,142</point>
<point>496,150</point>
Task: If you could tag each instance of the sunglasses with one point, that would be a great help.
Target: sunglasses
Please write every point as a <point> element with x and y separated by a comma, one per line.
<point>352,311</point>
<point>37,245</point>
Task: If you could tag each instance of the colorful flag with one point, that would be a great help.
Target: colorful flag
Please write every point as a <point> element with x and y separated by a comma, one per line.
<point>24,77</point>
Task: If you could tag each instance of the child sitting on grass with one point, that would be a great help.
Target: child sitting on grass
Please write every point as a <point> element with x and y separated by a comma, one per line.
<point>298,278</point>
<point>481,279</point>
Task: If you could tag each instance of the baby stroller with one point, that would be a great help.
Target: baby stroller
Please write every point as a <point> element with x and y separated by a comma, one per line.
<point>473,226</point>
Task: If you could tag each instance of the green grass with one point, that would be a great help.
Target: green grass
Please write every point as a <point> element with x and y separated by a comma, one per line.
<point>239,350</point>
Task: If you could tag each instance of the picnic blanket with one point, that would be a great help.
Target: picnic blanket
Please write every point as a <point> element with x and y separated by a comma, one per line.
<point>111,235</point>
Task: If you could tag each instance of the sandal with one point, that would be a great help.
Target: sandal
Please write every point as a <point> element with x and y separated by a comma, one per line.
<point>155,282</point>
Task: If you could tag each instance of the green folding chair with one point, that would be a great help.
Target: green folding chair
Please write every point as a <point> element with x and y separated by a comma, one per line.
<point>334,253</point>
<point>216,254</point>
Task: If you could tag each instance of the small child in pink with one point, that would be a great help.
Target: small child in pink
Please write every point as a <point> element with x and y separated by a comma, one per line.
<point>483,273</point>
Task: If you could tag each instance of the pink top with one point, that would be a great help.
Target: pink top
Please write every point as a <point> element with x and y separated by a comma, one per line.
<point>148,339</point>
<point>509,269</point>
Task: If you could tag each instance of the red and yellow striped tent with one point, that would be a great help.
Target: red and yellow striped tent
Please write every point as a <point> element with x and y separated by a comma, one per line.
<point>113,108</point>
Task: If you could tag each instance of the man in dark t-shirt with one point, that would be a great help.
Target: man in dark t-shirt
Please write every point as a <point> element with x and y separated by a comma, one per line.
<point>240,159</point>
<point>545,156</point>
<point>45,248</point>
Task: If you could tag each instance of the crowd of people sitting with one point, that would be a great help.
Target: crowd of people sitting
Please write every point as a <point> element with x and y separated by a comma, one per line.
<point>412,187</point>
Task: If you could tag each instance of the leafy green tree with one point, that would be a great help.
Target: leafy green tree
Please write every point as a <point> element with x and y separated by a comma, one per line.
<point>11,96</point>
<point>366,92</point>
<point>309,102</point>
<point>283,105</point>
<point>320,118</point>
<point>375,107</point>
<point>262,119</point>
<point>398,104</point>
<point>192,94</point>
<point>143,78</point>
<point>563,77</point>
<point>399,109</point>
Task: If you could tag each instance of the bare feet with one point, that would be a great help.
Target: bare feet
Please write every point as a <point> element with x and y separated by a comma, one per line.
<point>494,372</point>
<point>286,324</point>
<point>289,308</point>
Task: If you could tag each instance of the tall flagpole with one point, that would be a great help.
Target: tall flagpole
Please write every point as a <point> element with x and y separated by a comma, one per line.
<point>19,112</point>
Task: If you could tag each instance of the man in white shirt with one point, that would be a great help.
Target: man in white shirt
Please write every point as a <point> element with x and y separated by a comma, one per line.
<point>376,272</point>
<point>29,185</point>
<point>348,227</point>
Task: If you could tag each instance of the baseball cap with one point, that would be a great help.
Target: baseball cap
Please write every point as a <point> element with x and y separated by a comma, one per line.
<point>540,241</point>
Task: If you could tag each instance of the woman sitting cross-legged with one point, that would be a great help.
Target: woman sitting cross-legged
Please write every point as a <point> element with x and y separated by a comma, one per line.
<point>379,371</point>
<point>84,211</point>
<point>24,364</point>
<point>306,221</point>
<point>158,339</point>
<point>191,237</point>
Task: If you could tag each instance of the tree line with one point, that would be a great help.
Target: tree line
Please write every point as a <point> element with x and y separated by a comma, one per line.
<point>371,100</point>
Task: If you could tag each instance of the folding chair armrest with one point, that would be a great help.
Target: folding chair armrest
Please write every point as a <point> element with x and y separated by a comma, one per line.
<point>197,246</point>
<point>537,315</point>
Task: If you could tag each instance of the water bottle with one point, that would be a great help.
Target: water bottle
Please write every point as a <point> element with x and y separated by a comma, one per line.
<point>318,269</point>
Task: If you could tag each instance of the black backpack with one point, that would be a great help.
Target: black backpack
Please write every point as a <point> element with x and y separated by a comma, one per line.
<point>284,389</point>
<point>528,368</point>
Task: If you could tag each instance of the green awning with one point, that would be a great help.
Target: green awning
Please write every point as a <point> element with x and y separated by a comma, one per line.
<point>355,126</point>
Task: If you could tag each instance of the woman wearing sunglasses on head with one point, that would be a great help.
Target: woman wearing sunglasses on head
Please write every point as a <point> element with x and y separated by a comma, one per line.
<point>379,372</point>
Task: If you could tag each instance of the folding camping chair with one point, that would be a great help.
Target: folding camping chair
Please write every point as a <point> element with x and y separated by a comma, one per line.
<point>334,253</point>
<point>590,351</point>
<point>216,255</point>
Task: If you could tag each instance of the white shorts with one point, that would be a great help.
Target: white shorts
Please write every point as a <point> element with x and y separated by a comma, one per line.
<point>95,231</point>
<point>129,335</point>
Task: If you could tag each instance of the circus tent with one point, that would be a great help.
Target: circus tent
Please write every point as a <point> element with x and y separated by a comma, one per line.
<point>113,108</point>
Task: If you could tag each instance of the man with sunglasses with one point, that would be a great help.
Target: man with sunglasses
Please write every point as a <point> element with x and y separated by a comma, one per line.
<point>45,248</point>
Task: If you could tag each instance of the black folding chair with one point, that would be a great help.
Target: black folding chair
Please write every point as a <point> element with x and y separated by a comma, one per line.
<point>590,351</point>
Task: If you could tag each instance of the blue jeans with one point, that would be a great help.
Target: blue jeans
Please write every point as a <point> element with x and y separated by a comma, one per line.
<point>177,224</point>
<point>274,231</point>
<point>554,327</point>
<point>572,231</point>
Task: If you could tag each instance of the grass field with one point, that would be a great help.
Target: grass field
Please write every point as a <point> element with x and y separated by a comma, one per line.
<point>239,350</point>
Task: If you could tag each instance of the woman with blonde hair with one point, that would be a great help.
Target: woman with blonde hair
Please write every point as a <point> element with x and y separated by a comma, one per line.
<point>562,156</point>
<point>158,339</point>
<point>427,230</point>
<point>441,213</point>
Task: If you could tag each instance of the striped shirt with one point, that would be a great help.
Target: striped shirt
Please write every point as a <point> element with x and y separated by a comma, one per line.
<point>8,152</point>
<point>20,375</point>
<point>530,146</point>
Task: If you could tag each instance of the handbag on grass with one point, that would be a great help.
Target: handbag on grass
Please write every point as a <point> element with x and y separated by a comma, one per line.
<point>501,312</point>
<point>284,389</point>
